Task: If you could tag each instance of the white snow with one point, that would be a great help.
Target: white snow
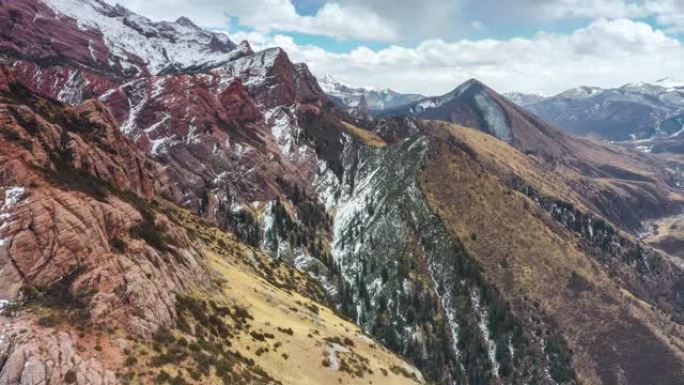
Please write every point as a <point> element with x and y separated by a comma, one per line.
<point>646,149</point>
<point>484,329</point>
<point>13,195</point>
<point>327,185</point>
<point>72,92</point>
<point>166,43</point>
<point>161,146</point>
<point>286,132</point>
<point>331,352</point>
<point>370,97</point>
<point>494,116</point>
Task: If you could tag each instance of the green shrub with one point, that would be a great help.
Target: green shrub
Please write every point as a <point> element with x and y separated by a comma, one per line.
<point>130,361</point>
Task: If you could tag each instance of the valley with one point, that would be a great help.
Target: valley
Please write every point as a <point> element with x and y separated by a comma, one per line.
<point>179,208</point>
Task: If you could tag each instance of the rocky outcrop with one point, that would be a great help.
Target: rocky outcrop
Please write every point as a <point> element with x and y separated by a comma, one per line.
<point>31,29</point>
<point>78,238</point>
<point>40,357</point>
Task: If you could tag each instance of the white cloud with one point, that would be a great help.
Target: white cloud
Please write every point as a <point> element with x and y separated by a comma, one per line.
<point>605,53</point>
<point>669,13</point>
<point>332,19</point>
<point>594,9</point>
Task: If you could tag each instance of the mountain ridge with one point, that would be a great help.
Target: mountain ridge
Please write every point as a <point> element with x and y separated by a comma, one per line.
<point>273,203</point>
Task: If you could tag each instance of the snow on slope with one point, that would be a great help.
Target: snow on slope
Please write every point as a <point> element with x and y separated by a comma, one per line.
<point>365,97</point>
<point>138,41</point>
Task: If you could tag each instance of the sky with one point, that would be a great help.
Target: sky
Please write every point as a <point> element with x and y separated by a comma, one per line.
<point>431,46</point>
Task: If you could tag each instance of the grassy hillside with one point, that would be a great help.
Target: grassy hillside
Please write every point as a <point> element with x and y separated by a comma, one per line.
<point>544,270</point>
<point>265,313</point>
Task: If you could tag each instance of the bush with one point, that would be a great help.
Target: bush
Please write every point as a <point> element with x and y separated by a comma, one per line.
<point>48,321</point>
<point>119,245</point>
<point>130,361</point>
<point>70,377</point>
<point>148,232</point>
<point>164,336</point>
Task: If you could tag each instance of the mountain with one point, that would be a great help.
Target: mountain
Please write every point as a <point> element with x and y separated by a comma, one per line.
<point>222,221</point>
<point>633,111</point>
<point>523,99</point>
<point>473,104</point>
<point>366,99</point>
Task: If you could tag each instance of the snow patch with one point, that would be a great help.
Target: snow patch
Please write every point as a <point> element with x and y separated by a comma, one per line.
<point>13,195</point>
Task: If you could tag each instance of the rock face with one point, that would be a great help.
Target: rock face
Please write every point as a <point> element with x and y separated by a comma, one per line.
<point>226,122</point>
<point>75,231</point>
<point>106,38</point>
<point>41,358</point>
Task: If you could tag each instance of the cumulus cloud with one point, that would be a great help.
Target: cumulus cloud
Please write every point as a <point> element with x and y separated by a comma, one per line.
<point>669,13</point>
<point>333,19</point>
<point>605,53</point>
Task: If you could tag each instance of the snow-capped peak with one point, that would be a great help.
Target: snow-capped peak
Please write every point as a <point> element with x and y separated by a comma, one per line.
<point>364,97</point>
<point>670,83</point>
<point>131,38</point>
<point>580,92</point>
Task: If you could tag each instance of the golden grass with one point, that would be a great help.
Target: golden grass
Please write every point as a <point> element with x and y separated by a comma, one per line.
<point>279,298</point>
<point>368,137</point>
<point>275,310</point>
<point>503,159</point>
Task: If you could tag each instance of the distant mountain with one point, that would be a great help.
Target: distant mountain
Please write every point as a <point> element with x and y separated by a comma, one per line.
<point>633,111</point>
<point>523,99</point>
<point>475,105</point>
<point>366,99</point>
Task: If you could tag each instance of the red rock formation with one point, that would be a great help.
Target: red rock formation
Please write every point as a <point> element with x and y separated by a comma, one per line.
<point>32,30</point>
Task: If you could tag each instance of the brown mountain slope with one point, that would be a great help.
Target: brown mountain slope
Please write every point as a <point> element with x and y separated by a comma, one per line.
<point>604,300</point>
<point>640,185</point>
<point>104,285</point>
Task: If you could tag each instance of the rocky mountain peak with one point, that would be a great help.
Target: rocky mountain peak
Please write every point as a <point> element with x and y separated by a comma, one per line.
<point>186,22</point>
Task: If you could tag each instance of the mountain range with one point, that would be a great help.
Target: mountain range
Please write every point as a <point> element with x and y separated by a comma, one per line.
<point>178,208</point>
<point>364,99</point>
<point>633,111</point>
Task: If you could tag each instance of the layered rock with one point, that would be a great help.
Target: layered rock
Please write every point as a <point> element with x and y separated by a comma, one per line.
<point>75,237</point>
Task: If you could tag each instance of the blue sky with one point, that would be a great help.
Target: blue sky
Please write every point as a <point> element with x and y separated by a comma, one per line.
<point>430,46</point>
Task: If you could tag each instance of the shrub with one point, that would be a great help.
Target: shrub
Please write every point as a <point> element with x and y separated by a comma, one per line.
<point>164,336</point>
<point>48,321</point>
<point>119,245</point>
<point>70,377</point>
<point>130,361</point>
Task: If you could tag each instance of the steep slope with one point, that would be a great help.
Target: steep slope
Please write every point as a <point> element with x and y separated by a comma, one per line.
<point>554,263</point>
<point>236,131</point>
<point>106,38</point>
<point>413,286</point>
<point>623,186</point>
<point>633,111</point>
<point>104,285</point>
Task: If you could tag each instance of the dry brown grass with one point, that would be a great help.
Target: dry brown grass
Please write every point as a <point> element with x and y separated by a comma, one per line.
<point>279,298</point>
<point>533,261</point>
